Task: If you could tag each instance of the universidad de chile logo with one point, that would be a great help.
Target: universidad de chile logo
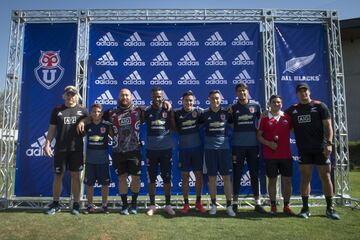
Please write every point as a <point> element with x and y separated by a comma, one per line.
<point>49,72</point>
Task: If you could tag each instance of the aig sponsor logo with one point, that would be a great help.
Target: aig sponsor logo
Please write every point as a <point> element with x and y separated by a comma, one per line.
<point>215,59</point>
<point>161,79</point>
<point>188,40</point>
<point>216,78</point>
<point>161,40</point>
<point>304,118</point>
<point>243,77</point>
<point>215,40</point>
<point>106,98</point>
<point>36,148</point>
<point>134,79</point>
<point>134,41</point>
<point>106,79</point>
<point>242,40</point>
<point>188,60</point>
<point>107,41</point>
<point>106,60</point>
<point>243,59</point>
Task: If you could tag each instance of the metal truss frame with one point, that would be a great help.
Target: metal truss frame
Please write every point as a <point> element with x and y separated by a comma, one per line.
<point>266,17</point>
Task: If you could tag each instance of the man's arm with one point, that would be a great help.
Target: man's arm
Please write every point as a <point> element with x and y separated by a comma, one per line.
<point>261,139</point>
<point>49,137</point>
<point>172,121</point>
<point>80,128</point>
<point>328,136</point>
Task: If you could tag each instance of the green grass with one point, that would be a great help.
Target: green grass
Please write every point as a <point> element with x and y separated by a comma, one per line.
<point>355,184</point>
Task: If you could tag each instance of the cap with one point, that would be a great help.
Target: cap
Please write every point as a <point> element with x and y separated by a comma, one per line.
<point>301,86</point>
<point>70,89</point>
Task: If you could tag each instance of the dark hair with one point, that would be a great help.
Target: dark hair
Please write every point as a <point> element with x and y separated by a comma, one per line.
<point>96,105</point>
<point>156,89</point>
<point>213,92</point>
<point>241,85</point>
<point>188,93</point>
<point>274,96</point>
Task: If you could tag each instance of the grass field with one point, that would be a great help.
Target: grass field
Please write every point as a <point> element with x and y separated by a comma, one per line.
<point>248,224</point>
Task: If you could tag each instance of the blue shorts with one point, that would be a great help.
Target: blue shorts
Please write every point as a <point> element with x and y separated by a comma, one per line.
<point>218,160</point>
<point>97,172</point>
<point>154,158</point>
<point>191,159</point>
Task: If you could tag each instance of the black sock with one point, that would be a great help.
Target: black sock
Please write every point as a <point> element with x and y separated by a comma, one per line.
<point>167,199</point>
<point>213,201</point>
<point>286,203</point>
<point>134,197</point>
<point>198,198</point>
<point>152,199</point>
<point>329,204</point>
<point>124,199</point>
<point>76,205</point>
<point>56,203</point>
<point>228,203</point>
<point>305,200</point>
<point>186,201</point>
<point>273,203</point>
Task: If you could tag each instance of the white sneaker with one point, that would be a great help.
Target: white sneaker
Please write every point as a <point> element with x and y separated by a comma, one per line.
<point>212,210</point>
<point>230,212</point>
<point>168,209</point>
<point>151,211</point>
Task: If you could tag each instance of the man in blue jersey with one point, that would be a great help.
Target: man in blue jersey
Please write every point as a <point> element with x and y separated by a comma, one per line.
<point>217,149</point>
<point>190,149</point>
<point>159,148</point>
<point>245,114</point>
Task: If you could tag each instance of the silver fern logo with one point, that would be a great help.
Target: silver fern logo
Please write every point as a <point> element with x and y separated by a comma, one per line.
<point>295,64</point>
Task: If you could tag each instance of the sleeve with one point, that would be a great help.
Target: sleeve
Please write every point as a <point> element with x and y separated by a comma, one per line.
<point>53,117</point>
<point>201,117</point>
<point>106,115</point>
<point>262,124</point>
<point>258,112</point>
<point>230,116</point>
<point>288,111</point>
<point>324,112</point>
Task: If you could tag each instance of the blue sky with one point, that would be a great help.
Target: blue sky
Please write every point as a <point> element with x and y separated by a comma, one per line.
<point>346,8</point>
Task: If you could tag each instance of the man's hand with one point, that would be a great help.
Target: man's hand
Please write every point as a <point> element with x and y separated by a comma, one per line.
<point>273,145</point>
<point>80,128</point>
<point>167,106</point>
<point>47,149</point>
<point>327,150</point>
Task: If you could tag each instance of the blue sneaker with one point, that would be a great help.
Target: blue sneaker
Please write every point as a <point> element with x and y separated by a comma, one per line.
<point>332,214</point>
<point>124,210</point>
<point>305,213</point>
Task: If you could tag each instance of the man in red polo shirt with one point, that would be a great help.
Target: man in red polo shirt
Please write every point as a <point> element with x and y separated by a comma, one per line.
<point>274,134</point>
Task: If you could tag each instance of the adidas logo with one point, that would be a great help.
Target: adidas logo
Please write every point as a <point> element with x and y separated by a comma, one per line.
<point>106,60</point>
<point>107,40</point>
<point>242,40</point>
<point>243,59</point>
<point>188,60</point>
<point>136,99</point>
<point>161,79</point>
<point>197,102</point>
<point>215,40</point>
<point>134,41</point>
<point>236,100</point>
<point>216,59</point>
<point>106,79</point>
<point>106,98</point>
<point>295,64</point>
<point>245,180</point>
<point>159,181</point>
<point>188,79</point>
<point>295,111</point>
<point>134,79</point>
<point>192,180</point>
<point>188,40</point>
<point>219,181</point>
<point>223,101</point>
<point>243,77</point>
<point>161,60</point>
<point>36,149</point>
<point>216,78</point>
<point>134,60</point>
<point>161,41</point>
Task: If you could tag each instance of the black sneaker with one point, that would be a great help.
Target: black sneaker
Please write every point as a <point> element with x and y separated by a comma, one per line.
<point>105,209</point>
<point>304,213</point>
<point>259,209</point>
<point>53,208</point>
<point>90,209</point>
<point>235,207</point>
<point>332,214</point>
<point>76,209</point>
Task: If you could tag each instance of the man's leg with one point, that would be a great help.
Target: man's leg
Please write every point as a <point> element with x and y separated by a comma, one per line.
<point>152,169</point>
<point>123,190</point>
<point>212,189</point>
<point>75,185</point>
<point>305,178</point>
<point>185,190</point>
<point>166,174</point>
<point>89,194</point>
<point>238,165</point>
<point>57,186</point>
<point>135,188</point>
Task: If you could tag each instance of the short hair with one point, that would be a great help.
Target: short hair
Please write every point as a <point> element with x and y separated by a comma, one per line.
<point>188,93</point>
<point>274,96</point>
<point>96,105</point>
<point>156,89</point>
<point>241,85</point>
<point>214,91</point>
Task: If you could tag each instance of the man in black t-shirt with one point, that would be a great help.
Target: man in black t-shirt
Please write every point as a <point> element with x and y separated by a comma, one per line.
<point>313,133</point>
<point>68,153</point>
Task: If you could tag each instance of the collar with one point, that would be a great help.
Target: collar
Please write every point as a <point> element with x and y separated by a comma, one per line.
<point>276,117</point>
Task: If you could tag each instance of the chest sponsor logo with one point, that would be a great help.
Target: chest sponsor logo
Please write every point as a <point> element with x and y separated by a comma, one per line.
<point>304,118</point>
<point>69,120</point>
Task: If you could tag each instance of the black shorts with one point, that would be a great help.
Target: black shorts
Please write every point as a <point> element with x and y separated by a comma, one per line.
<point>72,161</point>
<point>316,158</point>
<point>97,172</point>
<point>274,167</point>
<point>127,162</point>
<point>154,158</point>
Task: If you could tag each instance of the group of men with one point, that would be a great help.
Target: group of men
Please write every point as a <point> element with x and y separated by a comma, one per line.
<point>310,120</point>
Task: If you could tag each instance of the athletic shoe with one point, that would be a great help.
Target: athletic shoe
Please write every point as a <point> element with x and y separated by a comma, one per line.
<point>230,212</point>
<point>53,208</point>
<point>259,209</point>
<point>124,210</point>
<point>185,209</point>
<point>90,209</point>
<point>304,213</point>
<point>105,209</point>
<point>133,210</point>
<point>273,210</point>
<point>287,210</point>
<point>212,209</point>
<point>199,207</point>
<point>76,209</point>
<point>151,211</point>
<point>332,214</point>
<point>235,208</point>
<point>168,209</point>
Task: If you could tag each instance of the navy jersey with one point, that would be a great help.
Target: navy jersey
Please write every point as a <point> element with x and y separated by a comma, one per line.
<point>158,128</point>
<point>308,125</point>
<point>245,117</point>
<point>187,124</point>
<point>216,128</point>
<point>66,120</point>
<point>98,135</point>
